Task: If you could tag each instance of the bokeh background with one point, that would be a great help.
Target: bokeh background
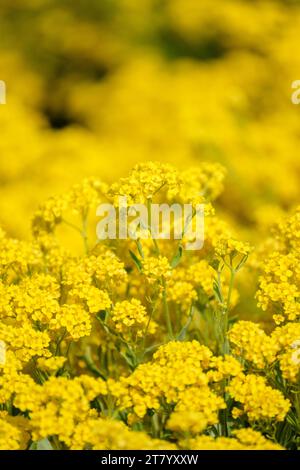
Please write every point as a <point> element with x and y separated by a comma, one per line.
<point>94,86</point>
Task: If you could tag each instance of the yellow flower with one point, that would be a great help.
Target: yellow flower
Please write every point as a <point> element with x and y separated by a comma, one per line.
<point>130,319</point>
<point>11,437</point>
<point>259,400</point>
<point>51,364</point>
<point>245,439</point>
<point>145,181</point>
<point>156,268</point>
<point>73,319</point>
<point>231,247</point>
<point>252,343</point>
<point>108,434</point>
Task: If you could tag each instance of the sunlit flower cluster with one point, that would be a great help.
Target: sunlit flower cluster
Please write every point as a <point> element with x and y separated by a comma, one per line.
<point>135,335</point>
<point>142,344</point>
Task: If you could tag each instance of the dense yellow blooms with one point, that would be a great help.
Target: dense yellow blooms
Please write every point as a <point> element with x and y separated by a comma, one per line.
<point>59,405</point>
<point>156,268</point>
<point>262,350</point>
<point>99,339</point>
<point>107,434</point>
<point>86,361</point>
<point>145,181</point>
<point>276,286</point>
<point>203,402</point>
<point>187,388</point>
<point>51,364</point>
<point>25,341</point>
<point>224,367</point>
<point>12,437</point>
<point>231,247</point>
<point>246,439</point>
<point>279,286</point>
<point>130,320</point>
<point>202,183</point>
<point>201,274</point>
<point>290,364</point>
<point>259,400</point>
<point>188,422</point>
<point>182,293</point>
<point>288,339</point>
<point>74,320</point>
<point>252,343</point>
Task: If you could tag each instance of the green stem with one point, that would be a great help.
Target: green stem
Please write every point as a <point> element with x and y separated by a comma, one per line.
<point>156,247</point>
<point>91,365</point>
<point>231,283</point>
<point>166,311</point>
<point>226,348</point>
<point>84,232</point>
<point>59,341</point>
<point>155,425</point>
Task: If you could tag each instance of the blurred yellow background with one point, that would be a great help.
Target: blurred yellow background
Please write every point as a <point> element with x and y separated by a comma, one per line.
<point>96,86</point>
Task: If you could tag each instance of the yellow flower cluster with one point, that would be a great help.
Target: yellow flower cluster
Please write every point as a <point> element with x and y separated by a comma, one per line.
<point>35,298</point>
<point>258,400</point>
<point>245,439</point>
<point>74,320</point>
<point>279,286</point>
<point>145,181</point>
<point>59,405</point>
<point>200,400</point>
<point>139,334</point>
<point>288,230</point>
<point>108,434</point>
<point>288,339</point>
<point>188,387</point>
<point>79,199</point>
<point>187,281</point>
<point>156,268</point>
<point>290,364</point>
<point>100,339</point>
<point>262,351</point>
<point>130,320</point>
<point>253,344</point>
<point>25,341</point>
<point>11,437</point>
<point>16,257</point>
<point>51,364</point>
<point>182,293</point>
<point>189,422</point>
<point>224,367</point>
<point>202,183</point>
<point>201,274</point>
<point>231,247</point>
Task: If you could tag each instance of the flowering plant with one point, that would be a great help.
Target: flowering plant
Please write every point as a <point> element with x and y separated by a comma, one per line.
<point>133,343</point>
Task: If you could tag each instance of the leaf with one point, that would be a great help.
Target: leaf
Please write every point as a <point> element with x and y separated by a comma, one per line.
<point>241,263</point>
<point>181,335</point>
<point>137,262</point>
<point>140,248</point>
<point>128,359</point>
<point>154,346</point>
<point>176,259</point>
<point>102,315</point>
<point>43,444</point>
<point>218,292</point>
<point>233,320</point>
